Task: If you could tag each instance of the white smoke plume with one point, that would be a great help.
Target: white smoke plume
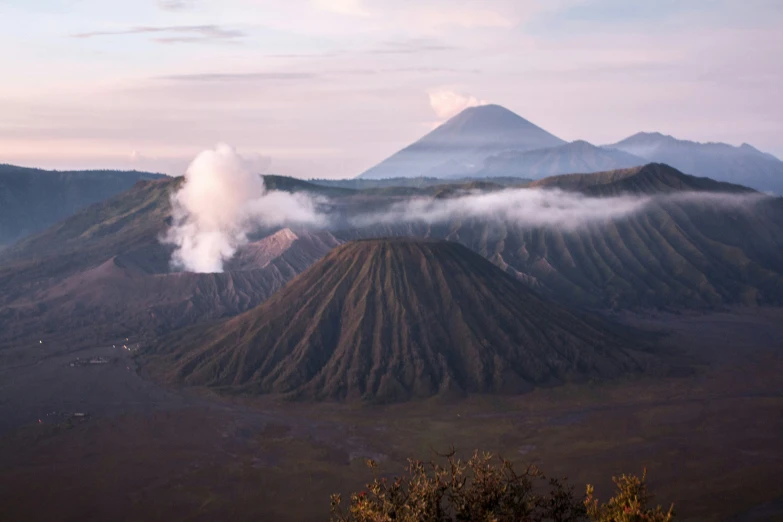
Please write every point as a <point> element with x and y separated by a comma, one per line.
<point>530,207</point>
<point>447,103</point>
<point>221,201</point>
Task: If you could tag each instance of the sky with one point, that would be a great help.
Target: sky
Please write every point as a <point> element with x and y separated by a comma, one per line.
<point>328,88</point>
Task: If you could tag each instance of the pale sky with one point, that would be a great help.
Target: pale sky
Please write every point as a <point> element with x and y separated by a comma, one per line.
<point>328,88</point>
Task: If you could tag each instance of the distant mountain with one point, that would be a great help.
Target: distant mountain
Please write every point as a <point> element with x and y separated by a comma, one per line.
<point>655,178</point>
<point>743,165</point>
<point>460,146</point>
<point>103,271</point>
<point>33,199</point>
<point>288,184</point>
<point>390,320</point>
<point>575,157</point>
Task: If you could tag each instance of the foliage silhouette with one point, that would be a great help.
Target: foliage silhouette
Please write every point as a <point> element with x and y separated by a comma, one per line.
<point>487,488</point>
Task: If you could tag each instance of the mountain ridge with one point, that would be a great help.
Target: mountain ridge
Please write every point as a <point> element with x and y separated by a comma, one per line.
<point>396,319</point>
<point>743,165</point>
<point>574,157</point>
<point>653,178</point>
<point>32,199</point>
<point>120,296</point>
<point>459,146</point>
<point>679,253</point>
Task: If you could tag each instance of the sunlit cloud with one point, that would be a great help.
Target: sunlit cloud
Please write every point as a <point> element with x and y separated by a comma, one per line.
<point>176,5</point>
<point>343,7</point>
<point>174,34</point>
<point>447,103</point>
<point>463,17</point>
<point>364,79</point>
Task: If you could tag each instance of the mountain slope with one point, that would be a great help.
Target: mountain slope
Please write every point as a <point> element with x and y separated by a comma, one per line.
<point>119,297</point>
<point>130,223</point>
<point>460,146</point>
<point>127,224</point>
<point>33,199</point>
<point>574,157</point>
<point>387,320</point>
<point>743,165</point>
<point>103,272</point>
<point>686,250</point>
<point>654,178</point>
<point>690,247</point>
<point>287,184</point>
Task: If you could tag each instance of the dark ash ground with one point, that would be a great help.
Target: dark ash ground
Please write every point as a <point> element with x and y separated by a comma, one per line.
<point>711,440</point>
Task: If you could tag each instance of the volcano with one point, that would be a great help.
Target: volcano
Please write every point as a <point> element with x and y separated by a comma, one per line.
<point>394,319</point>
<point>460,146</point>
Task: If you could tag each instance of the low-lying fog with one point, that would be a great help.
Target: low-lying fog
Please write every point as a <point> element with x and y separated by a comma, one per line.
<point>223,201</point>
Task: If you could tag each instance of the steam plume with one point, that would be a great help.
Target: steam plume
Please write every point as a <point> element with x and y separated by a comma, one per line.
<point>222,200</point>
<point>547,207</point>
<point>447,103</point>
<point>220,203</point>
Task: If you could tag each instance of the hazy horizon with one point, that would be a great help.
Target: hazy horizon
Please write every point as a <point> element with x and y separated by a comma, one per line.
<point>329,88</point>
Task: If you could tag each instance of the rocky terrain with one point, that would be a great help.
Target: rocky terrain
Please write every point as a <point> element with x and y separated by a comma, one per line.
<point>393,319</point>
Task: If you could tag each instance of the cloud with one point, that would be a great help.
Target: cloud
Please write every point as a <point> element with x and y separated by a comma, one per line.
<point>543,207</point>
<point>465,17</point>
<point>716,199</point>
<point>432,70</point>
<point>223,200</point>
<point>343,7</point>
<point>180,34</point>
<point>268,76</point>
<point>228,77</point>
<point>176,5</point>
<point>533,207</point>
<point>411,46</point>
<point>447,103</point>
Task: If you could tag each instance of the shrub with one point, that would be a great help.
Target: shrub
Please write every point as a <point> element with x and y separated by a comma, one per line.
<point>629,503</point>
<point>486,488</point>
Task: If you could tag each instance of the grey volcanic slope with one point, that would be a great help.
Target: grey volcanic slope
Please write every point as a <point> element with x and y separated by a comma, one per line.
<point>33,199</point>
<point>118,298</point>
<point>575,157</point>
<point>680,252</point>
<point>654,178</point>
<point>103,273</point>
<point>460,146</point>
<point>743,165</point>
<point>388,320</point>
<point>129,225</point>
